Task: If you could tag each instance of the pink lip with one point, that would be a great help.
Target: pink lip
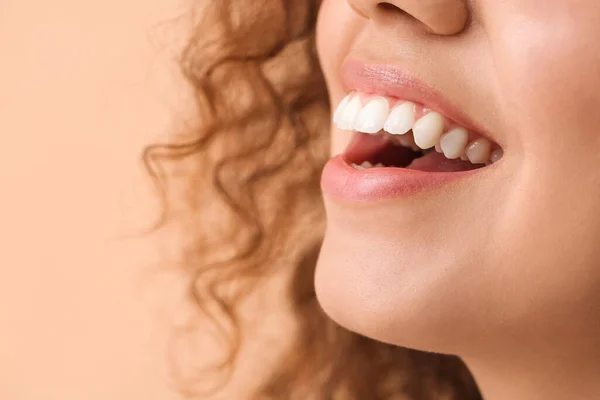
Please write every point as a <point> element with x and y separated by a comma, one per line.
<point>389,80</point>
<point>340,180</point>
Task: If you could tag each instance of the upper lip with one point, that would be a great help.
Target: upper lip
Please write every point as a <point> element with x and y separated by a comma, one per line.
<point>393,81</point>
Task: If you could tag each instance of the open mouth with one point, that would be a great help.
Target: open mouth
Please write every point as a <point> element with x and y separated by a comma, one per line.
<point>391,133</point>
<point>400,148</point>
<point>386,151</point>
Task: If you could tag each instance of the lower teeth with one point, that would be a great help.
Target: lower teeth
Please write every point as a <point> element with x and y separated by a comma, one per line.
<point>368,165</point>
<point>407,142</point>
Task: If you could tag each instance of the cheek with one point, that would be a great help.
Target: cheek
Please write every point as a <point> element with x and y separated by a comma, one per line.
<point>337,28</point>
<point>548,73</point>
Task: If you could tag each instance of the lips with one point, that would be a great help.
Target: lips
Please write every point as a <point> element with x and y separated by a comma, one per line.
<point>412,138</point>
<point>394,82</point>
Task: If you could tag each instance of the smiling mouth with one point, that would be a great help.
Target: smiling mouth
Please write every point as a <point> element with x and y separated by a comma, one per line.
<point>408,138</point>
<point>393,133</point>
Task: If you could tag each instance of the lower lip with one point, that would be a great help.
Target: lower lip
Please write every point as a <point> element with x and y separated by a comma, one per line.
<point>339,179</point>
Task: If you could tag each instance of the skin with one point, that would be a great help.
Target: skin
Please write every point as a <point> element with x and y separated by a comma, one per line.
<point>501,269</point>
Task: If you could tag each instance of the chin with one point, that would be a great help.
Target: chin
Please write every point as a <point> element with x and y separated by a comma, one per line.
<point>400,287</point>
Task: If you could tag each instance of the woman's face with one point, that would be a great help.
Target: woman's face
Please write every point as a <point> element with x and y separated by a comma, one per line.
<point>444,256</point>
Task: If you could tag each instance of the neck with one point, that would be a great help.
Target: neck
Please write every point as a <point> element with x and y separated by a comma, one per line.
<point>540,371</point>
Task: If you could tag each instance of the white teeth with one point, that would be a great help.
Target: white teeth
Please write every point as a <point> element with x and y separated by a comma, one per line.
<point>373,116</point>
<point>367,165</point>
<point>426,133</point>
<point>479,151</point>
<point>496,155</point>
<point>349,114</point>
<point>428,129</point>
<point>453,143</point>
<point>401,119</point>
<point>340,109</point>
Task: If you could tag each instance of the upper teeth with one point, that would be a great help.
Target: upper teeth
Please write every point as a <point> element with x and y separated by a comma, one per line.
<point>373,116</point>
<point>401,119</point>
<point>430,130</point>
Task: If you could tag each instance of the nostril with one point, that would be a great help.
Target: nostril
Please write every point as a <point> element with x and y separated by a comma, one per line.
<point>385,6</point>
<point>439,17</point>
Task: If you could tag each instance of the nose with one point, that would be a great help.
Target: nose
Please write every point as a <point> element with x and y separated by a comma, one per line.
<point>441,17</point>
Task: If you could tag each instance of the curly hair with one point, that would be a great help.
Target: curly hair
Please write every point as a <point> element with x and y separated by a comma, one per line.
<point>243,188</point>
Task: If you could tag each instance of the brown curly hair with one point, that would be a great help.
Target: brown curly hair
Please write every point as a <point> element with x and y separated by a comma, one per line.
<point>244,189</point>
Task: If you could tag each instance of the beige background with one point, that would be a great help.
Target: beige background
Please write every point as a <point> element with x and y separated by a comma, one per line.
<point>84,85</point>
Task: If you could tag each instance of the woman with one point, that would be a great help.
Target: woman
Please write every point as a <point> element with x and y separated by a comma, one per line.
<point>461,202</point>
